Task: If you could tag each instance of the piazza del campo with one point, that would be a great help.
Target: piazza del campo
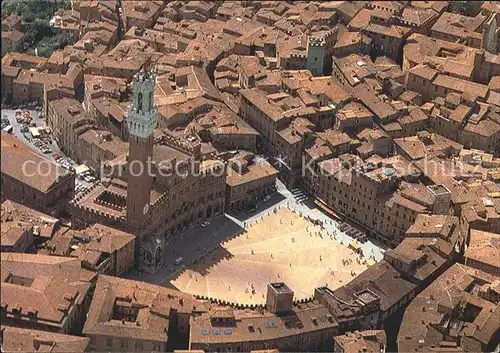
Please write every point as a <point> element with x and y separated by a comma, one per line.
<point>250,176</point>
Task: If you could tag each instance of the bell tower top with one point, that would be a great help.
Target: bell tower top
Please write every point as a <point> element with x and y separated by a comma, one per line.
<point>142,113</point>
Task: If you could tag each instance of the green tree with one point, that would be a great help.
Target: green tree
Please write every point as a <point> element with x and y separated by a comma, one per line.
<point>467,8</point>
<point>35,17</point>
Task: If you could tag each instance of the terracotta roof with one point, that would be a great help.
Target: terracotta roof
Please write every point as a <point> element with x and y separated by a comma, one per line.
<point>57,285</point>
<point>371,341</point>
<point>455,289</point>
<point>12,36</point>
<point>259,99</point>
<point>23,340</point>
<point>265,326</point>
<point>458,25</point>
<point>153,303</point>
<point>462,86</point>
<point>424,71</point>
<point>253,172</point>
<point>484,247</point>
<point>390,31</point>
<point>383,280</point>
<point>16,155</point>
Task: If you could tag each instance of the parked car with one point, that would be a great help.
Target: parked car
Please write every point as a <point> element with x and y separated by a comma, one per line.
<point>205,224</point>
<point>267,198</point>
<point>350,232</point>
<point>56,155</point>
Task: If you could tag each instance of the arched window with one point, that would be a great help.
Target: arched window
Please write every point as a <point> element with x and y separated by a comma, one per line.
<point>149,256</point>
<point>139,101</point>
<point>151,98</point>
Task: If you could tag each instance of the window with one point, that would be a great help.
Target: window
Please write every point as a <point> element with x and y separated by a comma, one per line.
<point>315,58</point>
<point>109,342</point>
<point>124,344</point>
<point>139,346</point>
<point>139,101</point>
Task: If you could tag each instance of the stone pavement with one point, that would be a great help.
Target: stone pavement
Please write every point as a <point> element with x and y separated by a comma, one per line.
<point>282,246</point>
<point>218,259</point>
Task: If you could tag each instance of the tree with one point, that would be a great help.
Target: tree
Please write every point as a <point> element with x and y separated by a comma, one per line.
<point>35,18</point>
<point>467,8</point>
<point>49,44</point>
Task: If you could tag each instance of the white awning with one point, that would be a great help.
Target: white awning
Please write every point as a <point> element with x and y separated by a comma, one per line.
<point>34,132</point>
<point>82,168</point>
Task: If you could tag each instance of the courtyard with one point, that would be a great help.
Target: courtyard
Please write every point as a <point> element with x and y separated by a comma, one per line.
<point>282,246</point>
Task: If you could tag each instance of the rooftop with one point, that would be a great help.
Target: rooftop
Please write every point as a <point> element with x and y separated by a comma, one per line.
<point>21,163</point>
<point>458,290</point>
<point>133,309</point>
<point>255,326</point>
<point>484,247</point>
<point>47,287</point>
<point>250,172</point>
<point>16,339</point>
<point>371,341</point>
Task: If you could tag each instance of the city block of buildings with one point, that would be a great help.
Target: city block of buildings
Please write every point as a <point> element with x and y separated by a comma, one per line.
<point>386,113</point>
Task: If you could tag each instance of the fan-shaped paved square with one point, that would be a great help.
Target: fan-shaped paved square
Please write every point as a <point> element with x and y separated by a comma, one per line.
<point>284,247</point>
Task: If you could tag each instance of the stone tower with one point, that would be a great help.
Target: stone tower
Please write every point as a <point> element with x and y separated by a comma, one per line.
<point>319,52</point>
<point>315,55</point>
<point>141,121</point>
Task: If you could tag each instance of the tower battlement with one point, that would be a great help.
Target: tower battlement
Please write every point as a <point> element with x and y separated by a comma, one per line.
<point>179,145</point>
<point>300,56</point>
<point>320,40</point>
<point>317,42</point>
<point>142,113</point>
